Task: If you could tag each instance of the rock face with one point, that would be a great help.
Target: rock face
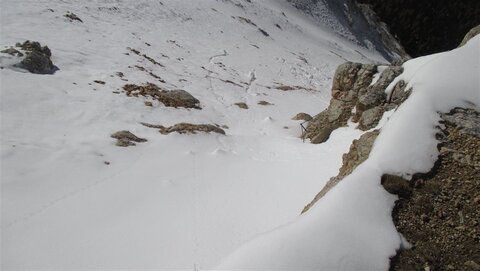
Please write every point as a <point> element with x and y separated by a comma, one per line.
<point>355,22</point>
<point>37,57</point>
<point>358,153</point>
<point>426,27</point>
<point>440,217</point>
<point>355,97</point>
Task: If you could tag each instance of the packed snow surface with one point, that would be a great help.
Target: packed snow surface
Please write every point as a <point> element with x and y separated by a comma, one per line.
<point>71,199</point>
<point>351,227</point>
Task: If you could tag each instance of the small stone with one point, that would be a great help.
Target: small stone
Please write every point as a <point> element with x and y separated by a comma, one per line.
<point>148,103</point>
<point>242,105</point>
<point>99,82</point>
<point>264,103</point>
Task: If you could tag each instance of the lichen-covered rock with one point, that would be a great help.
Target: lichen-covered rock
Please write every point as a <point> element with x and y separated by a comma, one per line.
<point>399,94</point>
<point>126,138</point>
<point>39,63</point>
<point>355,97</point>
<point>179,98</point>
<point>370,118</point>
<point>32,57</point>
<point>173,98</point>
<point>350,79</point>
<point>189,128</point>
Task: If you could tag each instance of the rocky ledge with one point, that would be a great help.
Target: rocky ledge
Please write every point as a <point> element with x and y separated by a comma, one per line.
<point>437,212</point>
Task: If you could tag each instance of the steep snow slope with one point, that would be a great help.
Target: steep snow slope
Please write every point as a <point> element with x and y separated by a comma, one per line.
<point>351,227</point>
<point>354,22</point>
<point>177,200</point>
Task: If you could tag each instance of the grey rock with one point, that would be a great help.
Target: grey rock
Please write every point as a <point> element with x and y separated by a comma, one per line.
<point>174,98</point>
<point>467,120</point>
<point>353,88</point>
<point>372,98</point>
<point>339,111</point>
<point>399,94</point>
<point>350,79</point>
<point>126,138</point>
<point>39,63</point>
<point>344,80</point>
<point>322,134</point>
<point>179,98</point>
<point>37,59</point>
<point>472,33</point>
<point>370,118</point>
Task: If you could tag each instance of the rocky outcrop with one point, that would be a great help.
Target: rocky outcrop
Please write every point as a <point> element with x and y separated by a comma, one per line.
<point>426,27</point>
<point>440,217</point>
<point>358,153</point>
<point>32,57</point>
<point>355,97</point>
<point>173,98</point>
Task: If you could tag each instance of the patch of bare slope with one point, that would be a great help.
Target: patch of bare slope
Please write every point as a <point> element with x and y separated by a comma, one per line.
<point>440,217</point>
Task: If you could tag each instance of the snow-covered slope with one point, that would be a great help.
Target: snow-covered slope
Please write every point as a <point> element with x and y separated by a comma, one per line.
<point>351,228</point>
<point>71,199</point>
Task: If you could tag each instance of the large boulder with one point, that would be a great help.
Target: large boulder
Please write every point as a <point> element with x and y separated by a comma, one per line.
<point>37,58</point>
